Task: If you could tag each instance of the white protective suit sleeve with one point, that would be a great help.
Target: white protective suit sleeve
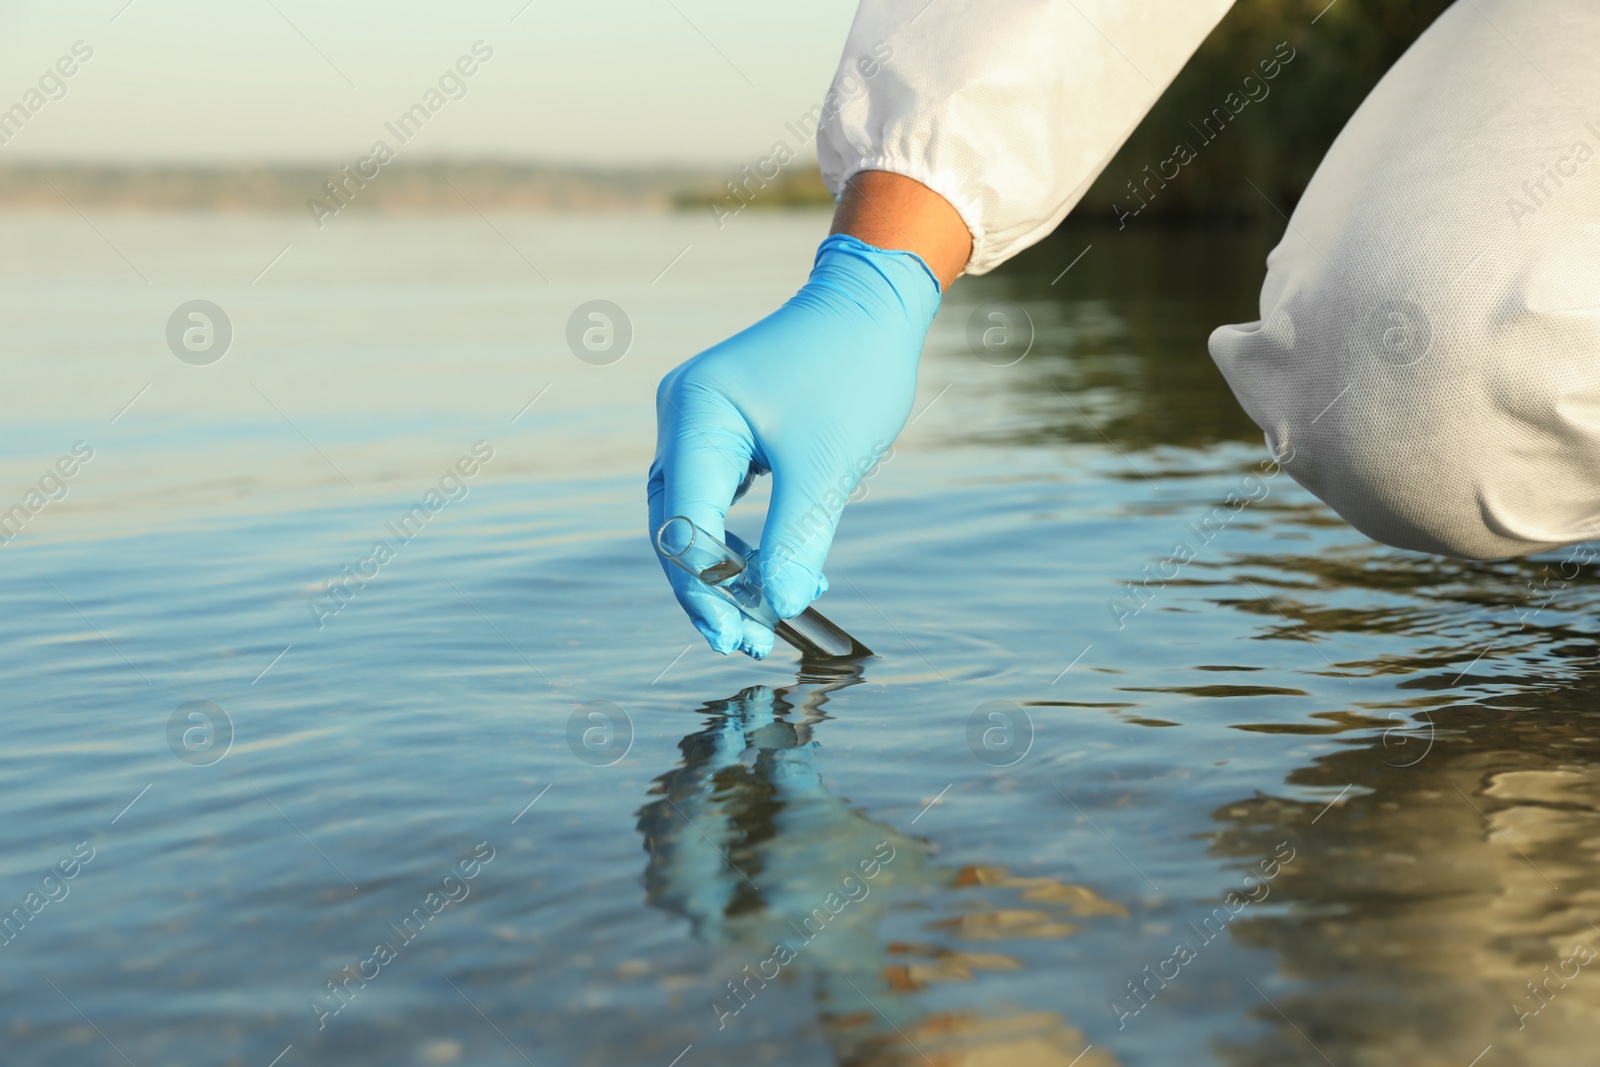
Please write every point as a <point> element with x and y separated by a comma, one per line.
<point>1008,109</point>
<point>1427,359</point>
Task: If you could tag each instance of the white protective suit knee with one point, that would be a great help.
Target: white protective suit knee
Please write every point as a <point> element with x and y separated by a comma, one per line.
<point>1428,355</point>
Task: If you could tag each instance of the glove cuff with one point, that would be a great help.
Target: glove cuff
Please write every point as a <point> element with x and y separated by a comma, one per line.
<point>880,279</point>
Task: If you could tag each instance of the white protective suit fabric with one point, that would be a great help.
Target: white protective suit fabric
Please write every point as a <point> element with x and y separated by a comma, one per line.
<point>1008,109</point>
<point>1427,359</point>
<point>1428,355</point>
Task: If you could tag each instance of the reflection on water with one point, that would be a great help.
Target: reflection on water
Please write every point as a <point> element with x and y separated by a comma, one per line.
<point>1445,900</point>
<point>1434,912</point>
<point>747,843</point>
<point>1120,341</point>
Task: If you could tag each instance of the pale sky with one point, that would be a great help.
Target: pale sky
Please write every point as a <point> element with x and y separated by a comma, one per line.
<point>589,81</point>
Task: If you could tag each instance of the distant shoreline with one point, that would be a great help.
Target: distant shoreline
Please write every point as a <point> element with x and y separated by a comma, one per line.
<point>428,187</point>
<point>450,187</point>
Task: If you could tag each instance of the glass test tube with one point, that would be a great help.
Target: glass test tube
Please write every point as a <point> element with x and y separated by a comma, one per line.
<point>729,574</point>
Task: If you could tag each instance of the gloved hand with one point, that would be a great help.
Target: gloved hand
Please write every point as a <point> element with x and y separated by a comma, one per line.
<point>814,394</point>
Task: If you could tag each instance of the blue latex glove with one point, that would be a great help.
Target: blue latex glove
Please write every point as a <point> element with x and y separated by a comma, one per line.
<point>814,394</point>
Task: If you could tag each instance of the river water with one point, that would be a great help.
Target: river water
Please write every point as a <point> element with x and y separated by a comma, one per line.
<point>1292,798</point>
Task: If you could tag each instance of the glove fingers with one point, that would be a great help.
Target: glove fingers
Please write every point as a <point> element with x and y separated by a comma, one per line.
<point>801,521</point>
<point>703,458</point>
<point>757,640</point>
<point>718,621</point>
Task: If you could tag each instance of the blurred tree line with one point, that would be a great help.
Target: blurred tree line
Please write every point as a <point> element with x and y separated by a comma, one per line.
<point>1281,131</point>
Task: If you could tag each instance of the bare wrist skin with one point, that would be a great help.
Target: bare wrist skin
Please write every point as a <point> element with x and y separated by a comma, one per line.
<point>894,212</point>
